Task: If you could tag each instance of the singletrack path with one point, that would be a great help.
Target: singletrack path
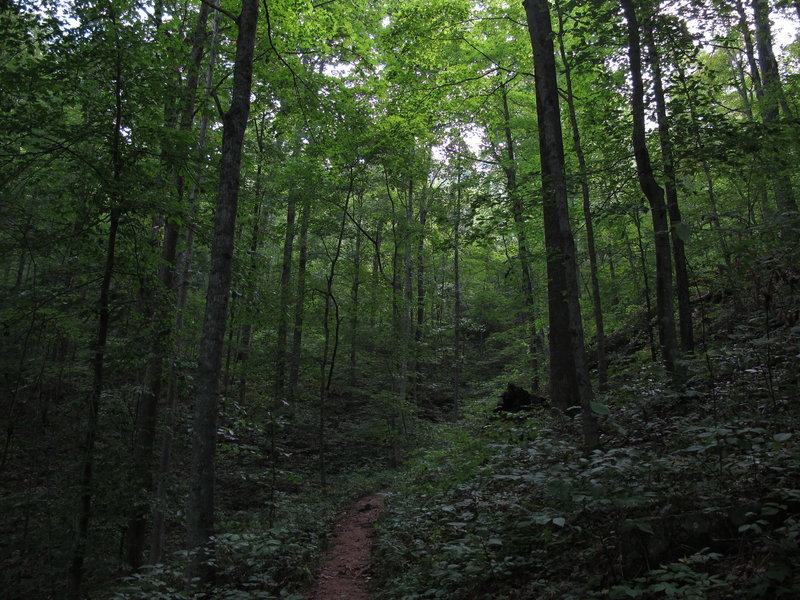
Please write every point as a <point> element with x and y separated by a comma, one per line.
<point>345,570</point>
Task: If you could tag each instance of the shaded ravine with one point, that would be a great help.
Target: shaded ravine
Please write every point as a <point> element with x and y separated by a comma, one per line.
<point>345,568</point>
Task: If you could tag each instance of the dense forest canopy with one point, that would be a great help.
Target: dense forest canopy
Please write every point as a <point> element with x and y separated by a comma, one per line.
<point>252,250</point>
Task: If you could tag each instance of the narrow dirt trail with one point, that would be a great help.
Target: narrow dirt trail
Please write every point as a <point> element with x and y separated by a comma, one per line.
<point>345,570</point>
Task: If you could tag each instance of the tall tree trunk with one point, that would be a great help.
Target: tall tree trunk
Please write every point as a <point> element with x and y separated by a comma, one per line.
<point>709,177</point>
<point>740,83</point>
<point>648,303</point>
<point>326,369</point>
<point>160,301</point>
<point>299,308</point>
<point>247,326</point>
<point>457,301</point>
<point>749,48</point>
<point>157,535</point>
<point>510,170</point>
<point>376,273</point>
<point>772,88</point>
<point>283,309</point>
<point>686,327</point>
<point>562,262</point>
<point>602,360</point>
<point>420,322</point>
<point>78,558</point>
<point>76,570</point>
<point>755,75</point>
<point>396,281</point>
<point>772,96</point>
<point>655,197</point>
<point>354,299</point>
<point>200,512</point>
<point>408,294</point>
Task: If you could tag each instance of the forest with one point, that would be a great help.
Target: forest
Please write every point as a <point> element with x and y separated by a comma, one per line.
<point>528,270</point>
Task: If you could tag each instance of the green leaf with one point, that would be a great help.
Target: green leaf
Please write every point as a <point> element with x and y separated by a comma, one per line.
<point>599,408</point>
<point>559,521</point>
<point>646,527</point>
<point>782,437</point>
<point>495,542</point>
<point>778,572</point>
<point>683,231</point>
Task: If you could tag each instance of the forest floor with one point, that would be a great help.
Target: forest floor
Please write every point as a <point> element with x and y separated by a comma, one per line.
<point>345,569</point>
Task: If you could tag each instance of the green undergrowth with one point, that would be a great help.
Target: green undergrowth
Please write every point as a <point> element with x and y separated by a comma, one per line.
<point>694,494</point>
<point>260,554</point>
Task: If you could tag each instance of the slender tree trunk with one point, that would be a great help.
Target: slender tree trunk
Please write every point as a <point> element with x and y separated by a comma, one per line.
<point>655,197</point>
<point>326,370</point>
<point>396,329</point>
<point>562,261</point>
<point>396,324</point>
<point>457,301</point>
<point>420,323</point>
<point>772,88</point>
<point>283,309</point>
<point>510,170</point>
<point>200,512</point>
<point>376,273</point>
<point>709,177</point>
<point>749,48</point>
<point>157,535</point>
<point>772,96</point>
<point>408,293</point>
<point>602,360</point>
<point>247,327</point>
<point>354,302</point>
<point>755,75</point>
<point>232,330</point>
<point>147,409</point>
<point>78,558</point>
<point>160,301</point>
<point>19,384</point>
<point>245,339</point>
<point>740,83</point>
<point>686,327</point>
<point>648,303</point>
<point>299,308</point>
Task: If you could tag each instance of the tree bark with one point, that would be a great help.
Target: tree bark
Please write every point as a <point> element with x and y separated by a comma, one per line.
<point>299,308</point>
<point>602,360</point>
<point>161,299</point>
<point>457,301</point>
<point>772,96</point>
<point>355,289</point>
<point>408,294</point>
<point>283,309</point>
<point>78,558</point>
<point>648,303</point>
<point>76,570</point>
<point>712,195</point>
<point>200,511</point>
<point>566,328</point>
<point>157,534</point>
<point>750,53</point>
<point>247,327</point>
<point>510,170</point>
<point>655,197</point>
<point>686,326</point>
<point>420,322</point>
<point>326,369</point>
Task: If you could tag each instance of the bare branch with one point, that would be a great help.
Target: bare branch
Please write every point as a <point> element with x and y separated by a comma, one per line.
<point>222,10</point>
